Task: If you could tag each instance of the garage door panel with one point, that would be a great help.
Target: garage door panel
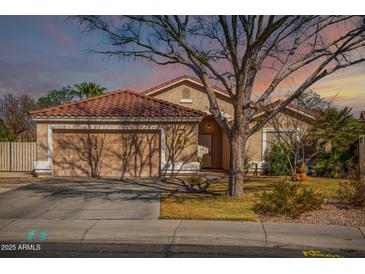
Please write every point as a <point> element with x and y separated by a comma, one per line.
<point>71,155</point>
<point>122,154</point>
<point>132,155</point>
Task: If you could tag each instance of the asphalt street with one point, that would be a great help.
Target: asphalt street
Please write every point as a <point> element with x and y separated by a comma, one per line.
<point>92,250</point>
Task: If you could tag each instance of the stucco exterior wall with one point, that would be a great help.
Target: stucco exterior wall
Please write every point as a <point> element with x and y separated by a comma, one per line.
<point>255,144</point>
<point>42,145</point>
<point>288,121</point>
<point>199,99</point>
<point>180,142</point>
<point>254,147</point>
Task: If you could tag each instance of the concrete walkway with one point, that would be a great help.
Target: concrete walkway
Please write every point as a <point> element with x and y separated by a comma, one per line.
<point>177,233</point>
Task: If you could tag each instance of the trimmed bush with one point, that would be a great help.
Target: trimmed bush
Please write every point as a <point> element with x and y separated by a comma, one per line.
<point>289,199</point>
<point>277,161</point>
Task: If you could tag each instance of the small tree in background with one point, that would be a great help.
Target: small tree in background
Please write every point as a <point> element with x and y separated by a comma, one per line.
<point>57,97</point>
<point>15,124</point>
<point>69,93</point>
<point>312,101</point>
<point>5,134</point>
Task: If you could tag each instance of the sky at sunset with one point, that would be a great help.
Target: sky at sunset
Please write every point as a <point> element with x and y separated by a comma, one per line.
<point>42,53</point>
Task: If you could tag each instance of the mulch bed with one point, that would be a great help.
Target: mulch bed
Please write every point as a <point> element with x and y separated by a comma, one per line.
<point>328,215</point>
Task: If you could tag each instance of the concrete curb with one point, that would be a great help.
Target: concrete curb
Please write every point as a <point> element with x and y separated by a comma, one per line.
<point>177,233</point>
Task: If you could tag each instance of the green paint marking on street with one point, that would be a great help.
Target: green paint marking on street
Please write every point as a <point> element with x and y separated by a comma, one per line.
<point>31,234</point>
<point>42,235</point>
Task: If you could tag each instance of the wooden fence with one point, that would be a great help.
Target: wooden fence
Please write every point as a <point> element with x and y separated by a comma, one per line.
<point>17,156</point>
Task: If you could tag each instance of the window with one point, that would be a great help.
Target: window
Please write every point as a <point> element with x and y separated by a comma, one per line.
<point>186,93</point>
<point>272,136</point>
<point>185,96</point>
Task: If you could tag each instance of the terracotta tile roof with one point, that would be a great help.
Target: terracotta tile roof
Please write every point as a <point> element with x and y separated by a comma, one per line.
<point>119,103</point>
<point>178,79</point>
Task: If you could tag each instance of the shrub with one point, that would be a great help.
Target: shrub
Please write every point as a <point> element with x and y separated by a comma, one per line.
<point>193,180</point>
<point>351,193</point>
<point>289,199</point>
<point>198,183</point>
<point>329,166</point>
<point>335,164</point>
<point>277,161</point>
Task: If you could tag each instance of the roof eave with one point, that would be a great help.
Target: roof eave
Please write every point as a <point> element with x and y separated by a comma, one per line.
<point>149,93</point>
<point>303,113</point>
<point>115,119</point>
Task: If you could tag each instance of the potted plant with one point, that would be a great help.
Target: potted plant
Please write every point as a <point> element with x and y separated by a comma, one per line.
<point>302,173</point>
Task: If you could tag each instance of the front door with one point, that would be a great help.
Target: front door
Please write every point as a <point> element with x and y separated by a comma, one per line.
<point>206,141</point>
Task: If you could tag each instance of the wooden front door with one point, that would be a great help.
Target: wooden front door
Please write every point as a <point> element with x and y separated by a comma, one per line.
<point>206,141</point>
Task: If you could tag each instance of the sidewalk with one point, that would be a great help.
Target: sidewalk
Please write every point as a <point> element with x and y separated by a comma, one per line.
<point>185,232</point>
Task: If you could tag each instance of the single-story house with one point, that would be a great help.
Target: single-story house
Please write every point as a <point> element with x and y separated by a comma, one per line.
<point>140,134</point>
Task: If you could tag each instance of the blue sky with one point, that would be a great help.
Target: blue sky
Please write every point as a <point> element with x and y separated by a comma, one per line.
<point>42,53</point>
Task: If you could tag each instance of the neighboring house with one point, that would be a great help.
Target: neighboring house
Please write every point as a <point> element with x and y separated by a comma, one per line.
<point>129,134</point>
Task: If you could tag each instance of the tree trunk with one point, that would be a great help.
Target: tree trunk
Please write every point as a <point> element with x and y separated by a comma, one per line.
<point>237,166</point>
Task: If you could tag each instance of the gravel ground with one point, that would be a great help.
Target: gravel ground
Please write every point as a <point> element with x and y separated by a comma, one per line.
<point>328,215</point>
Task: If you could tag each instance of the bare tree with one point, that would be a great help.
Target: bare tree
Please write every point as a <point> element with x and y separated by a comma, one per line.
<point>311,100</point>
<point>294,136</point>
<point>14,116</point>
<point>230,51</point>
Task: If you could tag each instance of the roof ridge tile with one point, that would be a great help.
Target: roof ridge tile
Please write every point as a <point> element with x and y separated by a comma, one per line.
<point>128,103</point>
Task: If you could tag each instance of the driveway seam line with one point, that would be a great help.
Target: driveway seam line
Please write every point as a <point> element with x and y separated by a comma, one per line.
<point>168,250</point>
<point>361,232</point>
<point>263,228</point>
<point>12,221</point>
<point>87,230</point>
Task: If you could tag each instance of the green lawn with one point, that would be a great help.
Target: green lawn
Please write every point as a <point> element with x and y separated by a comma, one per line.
<point>216,206</point>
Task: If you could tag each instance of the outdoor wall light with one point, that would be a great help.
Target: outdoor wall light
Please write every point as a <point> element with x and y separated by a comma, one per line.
<point>209,126</point>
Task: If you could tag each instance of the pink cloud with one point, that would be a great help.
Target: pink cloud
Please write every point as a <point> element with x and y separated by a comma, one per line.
<point>57,34</point>
<point>160,74</point>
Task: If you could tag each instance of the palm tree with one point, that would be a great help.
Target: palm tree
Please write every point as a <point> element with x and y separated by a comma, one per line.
<point>86,90</point>
<point>339,128</point>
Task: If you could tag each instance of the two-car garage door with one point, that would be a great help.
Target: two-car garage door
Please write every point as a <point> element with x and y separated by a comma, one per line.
<point>106,153</point>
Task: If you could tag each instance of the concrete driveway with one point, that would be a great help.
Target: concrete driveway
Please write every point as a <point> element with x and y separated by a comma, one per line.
<point>83,199</point>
